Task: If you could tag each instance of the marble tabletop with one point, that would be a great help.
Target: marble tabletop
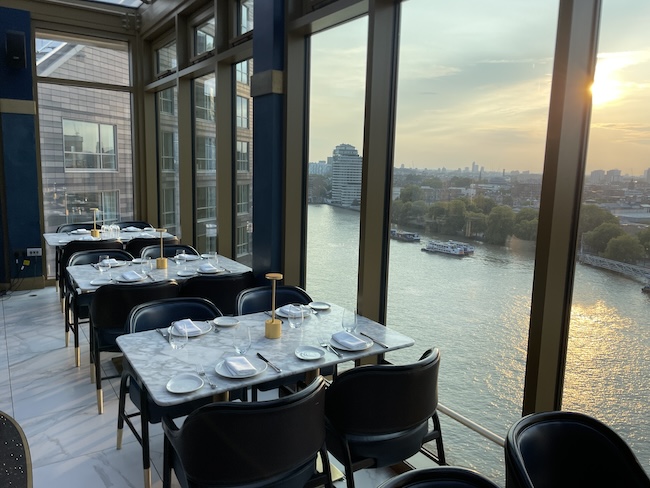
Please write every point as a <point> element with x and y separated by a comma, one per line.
<point>155,363</point>
<point>59,239</point>
<point>87,278</point>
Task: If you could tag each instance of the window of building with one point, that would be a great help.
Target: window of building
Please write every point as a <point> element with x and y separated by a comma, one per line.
<point>242,112</point>
<point>168,168</point>
<point>168,150</point>
<point>204,37</point>
<point>242,73</point>
<point>89,146</point>
<point>246,16</point>
<point>204,91</point>
<point>243,241</point>
<point>242,156</point>
<point>166,58</point>
<point>243,198</point>
<point>206,153</point>
<point>166,102</point>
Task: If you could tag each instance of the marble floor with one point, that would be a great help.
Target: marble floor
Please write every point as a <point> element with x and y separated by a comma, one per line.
<point>54,402</point>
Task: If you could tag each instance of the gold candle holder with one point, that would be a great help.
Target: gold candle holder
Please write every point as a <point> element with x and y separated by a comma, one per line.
<point>95,231</point>
<point>273,326</point>
<point>161,262</point>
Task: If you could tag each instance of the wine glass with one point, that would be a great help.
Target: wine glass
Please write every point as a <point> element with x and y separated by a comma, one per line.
<point>180,257</point>
<point>104,264</point>
<point>178,337</point>
<point>242,338</point>
<point>295,314</point>
<point>349,320</point>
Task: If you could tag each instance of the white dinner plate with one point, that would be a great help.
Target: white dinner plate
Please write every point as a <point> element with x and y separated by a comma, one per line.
<point>184,383</point>
<point>309,353</point>
<point>211,271</point>
<point>121,279</point>
<point>118,263</point>
<point>100,281</point>
<point>139,260</point>
<point>320,305</point>
<point>184,272</point>
<point>259,365</point>
<point>225,321</point>
<point>204,328</point>
<point>280,312</point>
<point>367,343</point>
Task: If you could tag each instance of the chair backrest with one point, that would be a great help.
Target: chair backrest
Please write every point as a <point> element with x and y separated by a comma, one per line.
<point>140,224</point>
<point>73,247</point>
<point>92,256</point>
<point>169,250</point>
<point>112,303</point>
<point>135,245</point>
<point>152,315</point>
<point>79,225</point>
<point>258,299</point>
<point>235,443</point>
<point>412,400</point>
<point>569,449</point>
<point>15,457</point>
<point>222,290</point>
<point>440,477</point>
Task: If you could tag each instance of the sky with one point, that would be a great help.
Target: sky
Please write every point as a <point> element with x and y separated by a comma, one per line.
<point>474,86</point>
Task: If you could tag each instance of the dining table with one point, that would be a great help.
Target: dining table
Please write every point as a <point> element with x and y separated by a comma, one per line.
<point>171,376</point>
<point>60,239</point>
<point>88,277</point>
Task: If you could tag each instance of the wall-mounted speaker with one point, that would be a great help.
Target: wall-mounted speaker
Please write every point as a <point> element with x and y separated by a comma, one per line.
<point>16,49</point>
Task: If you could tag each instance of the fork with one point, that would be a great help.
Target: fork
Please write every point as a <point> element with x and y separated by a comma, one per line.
<point>203,374</point>
<point>327,346</point>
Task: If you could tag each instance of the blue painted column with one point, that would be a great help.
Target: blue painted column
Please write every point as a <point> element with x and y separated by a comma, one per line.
<point>268,130</point>
<point>20,198</point>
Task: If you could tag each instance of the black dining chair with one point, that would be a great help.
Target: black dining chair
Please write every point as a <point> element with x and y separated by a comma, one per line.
<point>222,289</point>
<point>15,457</point>
<point>273,443</point>
<point>148,316</point>
<point>75,246</point>
<point>77,304</point>
<point>567,450</point>
<point>258,299</point>
<point>169,250</point>
<point>378,415</point>
<point>109,311</point>
<point>135,245</point>
<point>140,224</point>
<point>439,477</point>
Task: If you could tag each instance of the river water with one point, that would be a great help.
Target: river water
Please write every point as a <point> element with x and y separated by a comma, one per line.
<point>476,311</point>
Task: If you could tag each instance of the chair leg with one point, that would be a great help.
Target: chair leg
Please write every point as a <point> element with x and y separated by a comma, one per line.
<point>167,463</point>
<point>75,331</point>
<point>98,383</point>
<point>147,478</point>
<point>439,446</point>
<point>121,411</point>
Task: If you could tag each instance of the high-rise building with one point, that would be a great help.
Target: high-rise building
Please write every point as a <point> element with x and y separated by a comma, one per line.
<point>346,176</point>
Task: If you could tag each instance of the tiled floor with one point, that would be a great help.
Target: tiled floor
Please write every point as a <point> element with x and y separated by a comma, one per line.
<point>54,402</point>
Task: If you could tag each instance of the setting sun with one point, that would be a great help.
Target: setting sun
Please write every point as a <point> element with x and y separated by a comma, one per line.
<point>607,85</point>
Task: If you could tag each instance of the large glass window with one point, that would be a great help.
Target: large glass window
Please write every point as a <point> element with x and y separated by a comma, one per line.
<point>205,164</point>
<point>607,371</point>
<point>85,131</point>
<point>243,163</point>
<point>337,77</point>
<point>166,58</point>
<point>245,16</point>
<point>472,111</point>
<point>242,112</point>
<point>168,176</point>
<point>204,37</point>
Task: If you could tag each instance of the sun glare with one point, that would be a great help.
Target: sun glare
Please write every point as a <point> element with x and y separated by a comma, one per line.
<point>608,86</point>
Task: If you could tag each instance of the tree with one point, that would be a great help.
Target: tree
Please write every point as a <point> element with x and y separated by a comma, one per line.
<point>433,182</point>
<point>455,221</point>
<point>526,214</point>
<point>483,204</point>
<point>526,229</point>
<point>591,216</point>
<point>396,211</point>
<point>411,193</point>
<point>501,222</point>
<point>460,182</point>
<point>477,223</point>
<point>597,239</point>
<point>644,239</point>
<point>626,248</point>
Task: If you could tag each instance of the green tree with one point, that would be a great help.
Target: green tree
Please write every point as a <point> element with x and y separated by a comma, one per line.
<point>455,221</point>
<point>644,239</point>
<point>397,211</point>
<point>596,240</point>
<point>411,193</point>
<point>626,248</point>
<point>460,182</point>
<point>526,229</point>
<point>483,204</point>
<point>433,182</point>
<point>477,223</point>
<point>591,216</point>
<point>527,214</point>
<point>500,225</point>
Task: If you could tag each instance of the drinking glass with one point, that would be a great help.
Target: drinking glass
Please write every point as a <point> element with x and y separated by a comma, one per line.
<point>180,257</point>
<point>103,264</point>
<point>296,315</point>
<point>145,266</point>
<point>178,338</point>
<point>349,320</point>
<point>242,338</point>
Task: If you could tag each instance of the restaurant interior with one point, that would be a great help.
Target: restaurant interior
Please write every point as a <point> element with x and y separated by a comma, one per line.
<point>196,112</point>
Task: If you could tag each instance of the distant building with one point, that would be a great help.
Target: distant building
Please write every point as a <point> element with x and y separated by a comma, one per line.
<point>597,176</point>
<point>320,168</point>
<point>346,176</point>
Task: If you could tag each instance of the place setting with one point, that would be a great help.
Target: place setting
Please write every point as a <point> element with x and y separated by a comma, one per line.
<point>241,366</point>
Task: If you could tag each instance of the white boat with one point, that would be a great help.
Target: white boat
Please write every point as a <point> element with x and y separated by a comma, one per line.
<point>404,236</point>
<point>466,247</point>
<point>444,248</point>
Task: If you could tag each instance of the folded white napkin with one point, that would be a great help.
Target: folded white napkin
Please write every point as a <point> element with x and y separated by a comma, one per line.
<point>131,276</point>
<point>81,231</point>
<point>87,238</point>
<point>207,268</point>
<point>286,310</point>
<point>132,229</point>
<point>239,365</point>
<point>348,340</point>
<point>192,257</point>
<point>111,261</point>
<point>186,325</point>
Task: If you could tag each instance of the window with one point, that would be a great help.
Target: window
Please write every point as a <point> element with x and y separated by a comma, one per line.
<point>168,150</point>
<point>246,16</point>
<point>168,169</point>
<point>243,241</point>
<point>204,37</point>
<point>206,154</point>
<point>242,156</point>
<point>242,112</point>
<point>243,198</point>
<point>166,101</point>
<point>242,72</point>
<point>204,91</point>
<point>169,210</point>
<point>166,58</point>
<point>89,145</point>
<point>80,205</point>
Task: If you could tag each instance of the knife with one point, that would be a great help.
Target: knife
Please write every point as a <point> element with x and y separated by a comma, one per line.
<point>269,363</point>
<point>374,340</point>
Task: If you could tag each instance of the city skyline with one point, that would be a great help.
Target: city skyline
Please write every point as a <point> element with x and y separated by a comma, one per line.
<point>478,89</point>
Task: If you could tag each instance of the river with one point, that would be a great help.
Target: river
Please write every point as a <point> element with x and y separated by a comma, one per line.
<point>476,310</point>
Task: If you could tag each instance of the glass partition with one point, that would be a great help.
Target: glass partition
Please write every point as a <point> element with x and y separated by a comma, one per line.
<point>243,162</point>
